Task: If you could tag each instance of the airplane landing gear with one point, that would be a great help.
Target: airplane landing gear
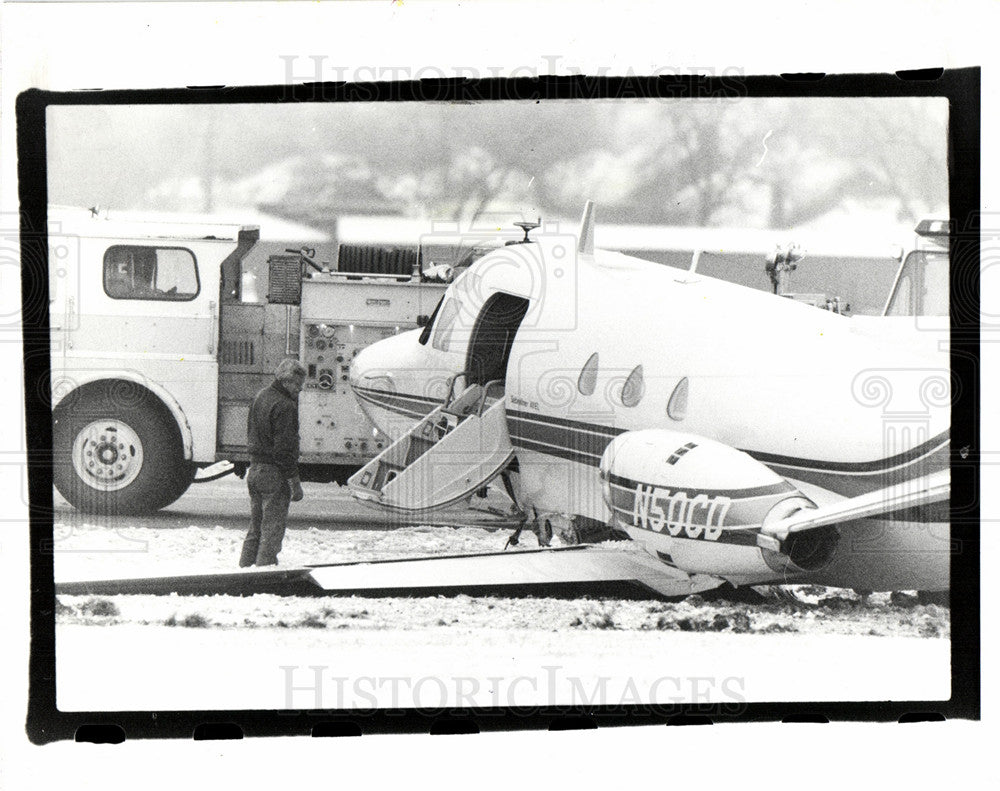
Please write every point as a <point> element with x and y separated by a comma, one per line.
<point>542,529</point>
<point>571,530</point>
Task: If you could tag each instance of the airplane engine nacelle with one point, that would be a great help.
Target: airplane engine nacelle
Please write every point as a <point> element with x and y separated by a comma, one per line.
<point>700,505</point>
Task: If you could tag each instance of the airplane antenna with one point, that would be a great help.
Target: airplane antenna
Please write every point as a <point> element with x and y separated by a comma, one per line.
<point>527,227</point>
<point>586,243</point>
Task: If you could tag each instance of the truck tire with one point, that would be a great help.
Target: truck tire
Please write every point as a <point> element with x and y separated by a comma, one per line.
<point>114,455</point>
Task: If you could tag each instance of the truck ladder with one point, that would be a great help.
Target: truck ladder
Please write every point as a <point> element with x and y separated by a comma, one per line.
<point>457,449</point>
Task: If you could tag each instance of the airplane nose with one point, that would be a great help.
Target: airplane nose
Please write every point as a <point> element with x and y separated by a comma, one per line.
<point>360,365</point>
<point>354,373</point>
<point>366,373</point>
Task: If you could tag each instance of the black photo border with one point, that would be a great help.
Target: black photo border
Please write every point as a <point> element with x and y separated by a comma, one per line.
<point>961,87</point>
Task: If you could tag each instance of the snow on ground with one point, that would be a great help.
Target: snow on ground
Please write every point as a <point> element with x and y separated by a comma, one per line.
<point>127,668</point>
<point>86,550</point>
<point>264,651</point>
<point>835,615</point>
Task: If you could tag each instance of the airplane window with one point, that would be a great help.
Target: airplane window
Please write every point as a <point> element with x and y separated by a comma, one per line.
<point>677,406</point>
<point>588,376</point>
<point>634,388</point>
<point>446,323</point>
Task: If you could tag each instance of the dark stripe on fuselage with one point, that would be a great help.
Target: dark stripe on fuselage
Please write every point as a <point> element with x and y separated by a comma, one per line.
<point>741,512</point>
<point>415,399</point>
<point>782,487</point>
<point>851,485</point>
<point>770,459</point>
<point>745,537</point>
<point>410,406</point>
<point>739,535</point>
<point>880,465</point>
<point>392,407</point>
<point>522,443</point>
<point>597,428</point>
<point>583,442</point>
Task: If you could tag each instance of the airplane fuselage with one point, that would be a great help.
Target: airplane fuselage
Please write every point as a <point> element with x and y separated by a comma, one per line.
<point>606,345</point>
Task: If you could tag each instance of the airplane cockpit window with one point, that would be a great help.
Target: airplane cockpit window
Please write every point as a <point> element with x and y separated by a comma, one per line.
<point>922,286</point>
<point>587,382</point>
<point>445,325</point>
<point>634,388</point>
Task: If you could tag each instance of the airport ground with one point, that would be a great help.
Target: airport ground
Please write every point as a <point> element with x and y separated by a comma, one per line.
<point>224,652</point>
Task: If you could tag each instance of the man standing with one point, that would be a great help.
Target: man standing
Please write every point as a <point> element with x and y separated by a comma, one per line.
<point>273,478</point>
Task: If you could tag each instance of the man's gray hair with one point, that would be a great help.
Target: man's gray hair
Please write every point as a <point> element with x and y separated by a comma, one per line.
<point>290,369</point>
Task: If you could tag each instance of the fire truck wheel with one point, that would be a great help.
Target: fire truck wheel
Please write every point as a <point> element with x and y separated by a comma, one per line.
<point>118,457</point>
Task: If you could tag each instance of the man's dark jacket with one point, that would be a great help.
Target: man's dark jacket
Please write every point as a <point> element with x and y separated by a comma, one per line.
<point>273,429</point>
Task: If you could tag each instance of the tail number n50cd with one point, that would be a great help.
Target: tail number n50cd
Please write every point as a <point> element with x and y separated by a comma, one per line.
<point>700,516</point>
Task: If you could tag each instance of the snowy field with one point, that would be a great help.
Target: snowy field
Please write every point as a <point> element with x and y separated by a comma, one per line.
<point>264,651</point>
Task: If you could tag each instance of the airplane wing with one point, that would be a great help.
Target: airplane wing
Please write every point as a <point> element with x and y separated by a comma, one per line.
<point>560,570</point>
<point>556,570</point>
<point>583,566</point>
<point>930,489</point>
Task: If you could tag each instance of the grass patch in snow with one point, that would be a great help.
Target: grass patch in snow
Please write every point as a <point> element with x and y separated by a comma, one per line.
<point>102,608</point>
<point>594,620</point>
<point>312,621</point>
<point>191,621</point>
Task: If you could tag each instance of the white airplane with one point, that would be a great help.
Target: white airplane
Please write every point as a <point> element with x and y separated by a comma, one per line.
<point>735,436</point>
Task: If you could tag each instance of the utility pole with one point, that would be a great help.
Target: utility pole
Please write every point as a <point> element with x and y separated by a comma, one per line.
<point>208,166</point>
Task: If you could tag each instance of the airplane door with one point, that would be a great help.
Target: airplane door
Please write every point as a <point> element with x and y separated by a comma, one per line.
<point>493,336</point>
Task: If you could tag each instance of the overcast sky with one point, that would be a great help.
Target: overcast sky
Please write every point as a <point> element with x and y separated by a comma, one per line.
<point>117,156</point>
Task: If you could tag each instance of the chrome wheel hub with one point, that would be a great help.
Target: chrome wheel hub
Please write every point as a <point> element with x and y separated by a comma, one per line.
<point>107,455</point>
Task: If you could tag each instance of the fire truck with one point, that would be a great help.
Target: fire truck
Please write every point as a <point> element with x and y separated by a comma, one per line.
<point>162,332</point>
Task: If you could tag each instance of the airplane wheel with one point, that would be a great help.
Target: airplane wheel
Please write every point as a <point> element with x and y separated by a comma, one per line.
<point>545,533</point>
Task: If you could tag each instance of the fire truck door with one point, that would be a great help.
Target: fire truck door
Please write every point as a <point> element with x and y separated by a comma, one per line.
<point>154,303</point>
<point>148,308</point>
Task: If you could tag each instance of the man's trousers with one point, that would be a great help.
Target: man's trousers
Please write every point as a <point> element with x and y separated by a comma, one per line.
<point>270,496</point>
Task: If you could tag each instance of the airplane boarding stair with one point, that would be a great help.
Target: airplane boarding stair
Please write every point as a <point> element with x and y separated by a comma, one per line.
<point>457,449</point>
